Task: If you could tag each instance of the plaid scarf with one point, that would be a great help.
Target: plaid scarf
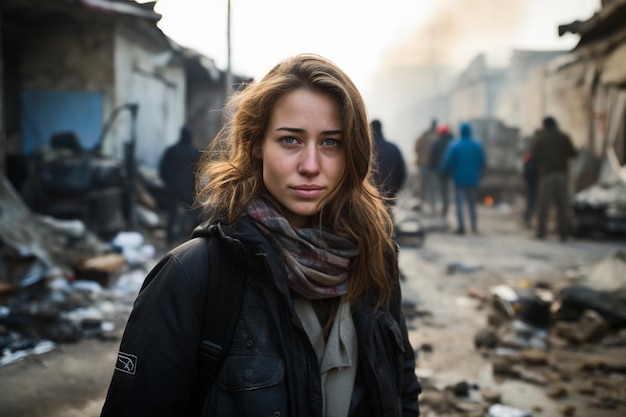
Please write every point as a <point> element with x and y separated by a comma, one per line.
<point>317,261</point>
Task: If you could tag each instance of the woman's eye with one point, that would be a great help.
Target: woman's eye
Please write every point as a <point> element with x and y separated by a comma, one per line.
<point>289,140</point>
<point>331,142</point>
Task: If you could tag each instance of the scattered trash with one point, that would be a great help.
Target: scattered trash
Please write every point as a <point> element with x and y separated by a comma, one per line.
<point>409,232</point>
<point>531,333</point>
<point>147,217</point>
<point>520,335</point>
<point>499,410</point>
<point>610,274</point>
<point>464,267</point>
<point>75,229</point>
<point>573,301</point>
<point>529,305</point>
<point>9,356</point>
<point>591,327</point>
<point>132,247</point>
<point>37,318</point>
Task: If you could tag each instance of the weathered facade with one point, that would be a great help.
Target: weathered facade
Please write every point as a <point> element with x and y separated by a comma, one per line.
<point>513,94</point>
<point>475,92</point>
<point>597,72</point>
<point>69,66</point>
<point>584,89</point>
<point>104,70</point>
<point>521,102</point>
<point>207,91</point>
<point>101,75</point>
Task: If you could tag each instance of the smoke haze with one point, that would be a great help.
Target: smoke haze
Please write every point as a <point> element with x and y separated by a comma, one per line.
<point>419,68</point>
<point>457,30</point>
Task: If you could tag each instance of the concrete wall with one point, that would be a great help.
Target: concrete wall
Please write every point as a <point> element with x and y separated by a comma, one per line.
<point>117,63</point>
<point>469,102</point>
<point>567,100</point>
<point>148,78</point>
<point>204,109</point>
<point>68,58</point>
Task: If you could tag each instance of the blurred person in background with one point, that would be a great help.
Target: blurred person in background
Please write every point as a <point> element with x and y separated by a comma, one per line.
<point>530,174</point>
<point>390,169</point>
<point>552,150</point>
<point>423,146</point>
<point>465,162</point>
<point>177,170</point>
<point>435,162</point>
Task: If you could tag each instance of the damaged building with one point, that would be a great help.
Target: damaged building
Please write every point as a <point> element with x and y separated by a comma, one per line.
<point>584,89</point>
<point>598,67</point>
<point>100,81</point>
<point>92,93</point>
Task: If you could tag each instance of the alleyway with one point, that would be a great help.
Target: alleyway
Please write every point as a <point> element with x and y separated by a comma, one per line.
<point>444,279</point>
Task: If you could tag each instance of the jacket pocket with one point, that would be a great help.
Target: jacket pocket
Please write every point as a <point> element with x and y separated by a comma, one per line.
<point>252,386</point>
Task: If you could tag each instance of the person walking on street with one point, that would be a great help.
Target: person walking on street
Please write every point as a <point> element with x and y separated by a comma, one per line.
<point>294,221</point>
<point>552,150</point>
<point>465,161</point>
<point>176,169</point>
<point>435,164</point>
<point>390,169</point>
<point>531,180</point>
<point>423,146</point>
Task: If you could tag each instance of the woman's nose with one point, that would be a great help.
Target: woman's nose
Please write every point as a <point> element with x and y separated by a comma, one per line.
<point>309,162</point>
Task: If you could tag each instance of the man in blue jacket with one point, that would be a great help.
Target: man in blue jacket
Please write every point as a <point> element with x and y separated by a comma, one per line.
<point>465,162</point>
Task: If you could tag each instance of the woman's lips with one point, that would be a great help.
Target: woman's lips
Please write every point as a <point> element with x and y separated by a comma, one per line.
<point>307,191</point>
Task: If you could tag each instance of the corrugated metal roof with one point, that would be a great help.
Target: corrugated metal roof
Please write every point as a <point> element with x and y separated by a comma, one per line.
<point>21,15</point>
<point>119,7</point>
<point>129,7</point>
<point>602,24</point>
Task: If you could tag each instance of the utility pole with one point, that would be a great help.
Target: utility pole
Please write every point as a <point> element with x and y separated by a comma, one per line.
<point>229,73</point>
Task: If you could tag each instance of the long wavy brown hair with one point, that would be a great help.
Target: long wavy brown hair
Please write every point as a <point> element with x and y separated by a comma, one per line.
<point>230,176</point>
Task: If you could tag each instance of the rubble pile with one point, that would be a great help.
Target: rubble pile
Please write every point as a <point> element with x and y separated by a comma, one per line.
<point>59,283</point>
<point>62,309</point>
<point>568,338</point>
<point>601,206</point>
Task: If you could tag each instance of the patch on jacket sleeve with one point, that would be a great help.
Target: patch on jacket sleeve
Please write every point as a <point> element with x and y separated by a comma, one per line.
<point>126,363</point>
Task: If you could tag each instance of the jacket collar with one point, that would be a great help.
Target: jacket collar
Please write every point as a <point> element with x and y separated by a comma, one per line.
<point>248,245</point>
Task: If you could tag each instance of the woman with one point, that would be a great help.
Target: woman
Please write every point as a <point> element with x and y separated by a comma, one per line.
<point>293,213</point>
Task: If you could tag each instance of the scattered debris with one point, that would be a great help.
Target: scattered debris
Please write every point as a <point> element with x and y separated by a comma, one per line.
<point>566,338</point>
<point>464,267</point>
<point>499,410</point>
<point>59,283</point>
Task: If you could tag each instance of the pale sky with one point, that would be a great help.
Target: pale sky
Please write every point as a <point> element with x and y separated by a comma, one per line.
<point>358,35</point>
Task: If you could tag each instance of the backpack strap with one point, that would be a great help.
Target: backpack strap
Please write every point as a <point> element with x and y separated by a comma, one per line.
<point>221,312</point>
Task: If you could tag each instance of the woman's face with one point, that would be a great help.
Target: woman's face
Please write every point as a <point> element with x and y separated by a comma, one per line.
<point>303,154</point>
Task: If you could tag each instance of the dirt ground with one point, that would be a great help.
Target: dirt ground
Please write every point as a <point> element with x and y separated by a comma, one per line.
<point>72,379</point>
<point>504,252</point>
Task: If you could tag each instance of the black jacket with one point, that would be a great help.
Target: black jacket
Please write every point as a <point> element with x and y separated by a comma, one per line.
<point>271,368</point>
<point>552,150</point>
<point>177,170</point>
<point>390,169</point>
<point>438,151</point>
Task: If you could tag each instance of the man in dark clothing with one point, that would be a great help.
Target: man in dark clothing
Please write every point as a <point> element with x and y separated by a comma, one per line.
<point>531,180</point>
<point>435,162</point>
<point>423,147</point>
<point>390,170</point>
<point>552,150</point>
<point>177,168</point>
